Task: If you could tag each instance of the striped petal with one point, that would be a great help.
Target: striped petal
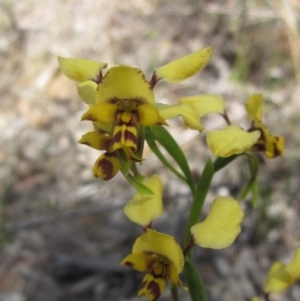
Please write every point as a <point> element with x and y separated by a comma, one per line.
<point>125,132</point>
<point>152,287</point>
<point>106,166</point>
<point>81,70</point>
<point>184,67</point>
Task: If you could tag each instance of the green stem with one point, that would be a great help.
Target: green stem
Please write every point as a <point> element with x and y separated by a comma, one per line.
<point>152,144</point>
<point>199,198</point>
<point>174,292</point>
<point>194,281</point>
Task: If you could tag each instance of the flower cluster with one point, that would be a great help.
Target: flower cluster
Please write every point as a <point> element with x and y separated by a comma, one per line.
<point>124,113</point>
<point>158,254</point>
<point>122,103</point>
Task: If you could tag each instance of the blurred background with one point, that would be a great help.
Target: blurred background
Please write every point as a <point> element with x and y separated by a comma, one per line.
<point>63,232</point>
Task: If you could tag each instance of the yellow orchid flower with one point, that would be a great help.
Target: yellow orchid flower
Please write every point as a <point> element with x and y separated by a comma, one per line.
<point>221,227</point>
<point>122,100</point>
<point>231,140</point>
<point>272,146</point>
<point>281,276</point>
<point>160,256</point>
<point>143,209</point>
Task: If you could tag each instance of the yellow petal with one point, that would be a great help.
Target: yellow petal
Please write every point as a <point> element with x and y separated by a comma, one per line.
<point>273,146</point>
<point>103,127</point>
<point>124,83</point>
<point>95,140</point>
<point>205,103</point>
<point>278,279</point>
<point>222,225</point>
<point>159,243</point>
<point>138,261</point>
<point>254,107</point>
<point>87,91</point>
<point>152,287</point>
<point>149,115</point>
<point>144,209</point>
<point>174,277</point>
<point>189,114</point>
<point>106,166</point>
<point>102,112</point>
<point>293,268</point>
<point>81,70</point>
<point>230,141</point>
<point>184,67</point>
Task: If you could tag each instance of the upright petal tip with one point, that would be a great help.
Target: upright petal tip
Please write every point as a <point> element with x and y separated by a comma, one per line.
<point>184,67</point>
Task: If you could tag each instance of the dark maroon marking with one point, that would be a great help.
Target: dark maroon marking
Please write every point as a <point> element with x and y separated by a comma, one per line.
<point>129,264</point>
<point>117,137</point>
<point>259,147</point>
<point>276,150</point>
<point>154,80</point>
<point>114,100</point>
<point>128,124</point>
<point>140,100</point>
<point>89,117</point>
<point>107,168</point>
<point>143,284</point>
<point>262,136</point>
<point>132,121</point>
<point>107,144</point>
<point>130,136</point>
<point>110,155</point>
<point>153,287</point>
<point>99,76</point>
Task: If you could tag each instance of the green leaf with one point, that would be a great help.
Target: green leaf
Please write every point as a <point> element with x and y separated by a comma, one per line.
<point>174,291</point>
<point>253,167</point>
<point>125,165</point>
<point>153,146</point>
<point>140,187</point>
<point>199,197</point>
<point>222,162</point>
<point>165,139</point>
<point>194,282</point>
<point>254,191</point>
